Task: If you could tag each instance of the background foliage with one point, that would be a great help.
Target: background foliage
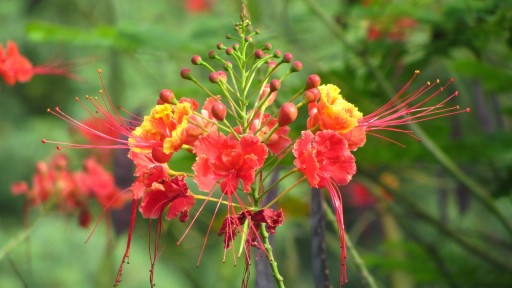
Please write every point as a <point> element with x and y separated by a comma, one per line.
<point>433,228</point>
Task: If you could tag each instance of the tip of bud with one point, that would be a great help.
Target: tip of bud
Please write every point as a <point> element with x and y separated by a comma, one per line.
<point>219,111</point>
<point>259,54</point>
<point>43,141</point>
<point>288,57</point>
<point>275,85</point>
<point>313,81</point>
<point>196,60</point>
<point>296,66</point>
<point>287,114</point>
<point>99,71</point>
<point>468,110</point>
<point>58,148</point>
<point>186,74</point>
<point>417,72</point>
<point>166,96</point>
<point>214,77</point>
<point>228,65</point>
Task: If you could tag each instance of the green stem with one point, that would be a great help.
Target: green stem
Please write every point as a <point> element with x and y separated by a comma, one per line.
<point>415,209</point>
<point>16,240</point>
<point>273,264</point>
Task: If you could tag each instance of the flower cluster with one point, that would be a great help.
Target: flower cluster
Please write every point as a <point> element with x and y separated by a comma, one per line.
<point>54,184</point>
<point>240,136</point>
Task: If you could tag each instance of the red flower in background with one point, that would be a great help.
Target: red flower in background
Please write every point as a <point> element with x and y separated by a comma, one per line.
<point>15,67</point>
<point>195,6</point>
<point>71,191</point>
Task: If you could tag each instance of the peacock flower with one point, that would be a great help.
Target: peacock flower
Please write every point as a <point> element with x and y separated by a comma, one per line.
<point>333,112</point>
<point>15,67</point>
<point>325,159</point>
<point>228,160</point>
<point>163,130</point>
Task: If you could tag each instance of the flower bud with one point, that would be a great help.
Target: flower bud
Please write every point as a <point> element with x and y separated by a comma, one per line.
<point>196,60</point>
<point>268,46</point>
<point>288,57</point>
<point>212,54</point>
<point>214,77</point>
<point>166,96</point>
<point>220,46</point>
<point>296,66</point>
<point>259,54</point>
<point>275,85</point>
<point>312,95</point>
<point>287,114</point>
<point>229,51</point>
<point>277,54</point>
<point>248,39</point>
<point>228,66</point>
<point>219,111</point>
<point>186,74</point>
<point>313,81</point>
<point>236,46</point>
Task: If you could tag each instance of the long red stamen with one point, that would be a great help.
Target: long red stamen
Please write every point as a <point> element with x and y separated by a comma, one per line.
<point>401,110</point>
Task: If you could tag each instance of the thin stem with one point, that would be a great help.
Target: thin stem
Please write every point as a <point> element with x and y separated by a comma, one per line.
<point>16,240</point>
<point>284,193</point>
<point>273,264</point>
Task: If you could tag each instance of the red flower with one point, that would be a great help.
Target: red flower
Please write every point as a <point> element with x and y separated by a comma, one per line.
<point>172,192</point>
<point>194,6</point>
<point>324,157</point>
<point>15,67</point>
<point>101,184</point>
<point>326,161</point>
<point>227,160</point>
<point>279,139</point>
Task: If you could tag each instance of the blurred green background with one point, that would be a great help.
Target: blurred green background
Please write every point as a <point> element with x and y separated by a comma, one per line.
<point>446,217</point>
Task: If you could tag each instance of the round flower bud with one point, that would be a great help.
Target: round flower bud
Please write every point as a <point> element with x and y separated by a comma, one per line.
<point>313,81</point>
<point>214,77</point>
<point>228,65</point>
<point>186,74</point>
<point>296,66</point>
<point>275,85</point>
<point>236,46</point>
<point>220,46</point>
<point>287,114</point>
<point>196,60</point>
<point>312,95</point>
<point>166,96</point>
<point>259,54</point>
<point>268,46</point>
<point>288,57</point>
<point>248,39</point>
<point>277,53</point>
<point>229,51</point>
<point>219,111</point>
<point>212,54</point>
